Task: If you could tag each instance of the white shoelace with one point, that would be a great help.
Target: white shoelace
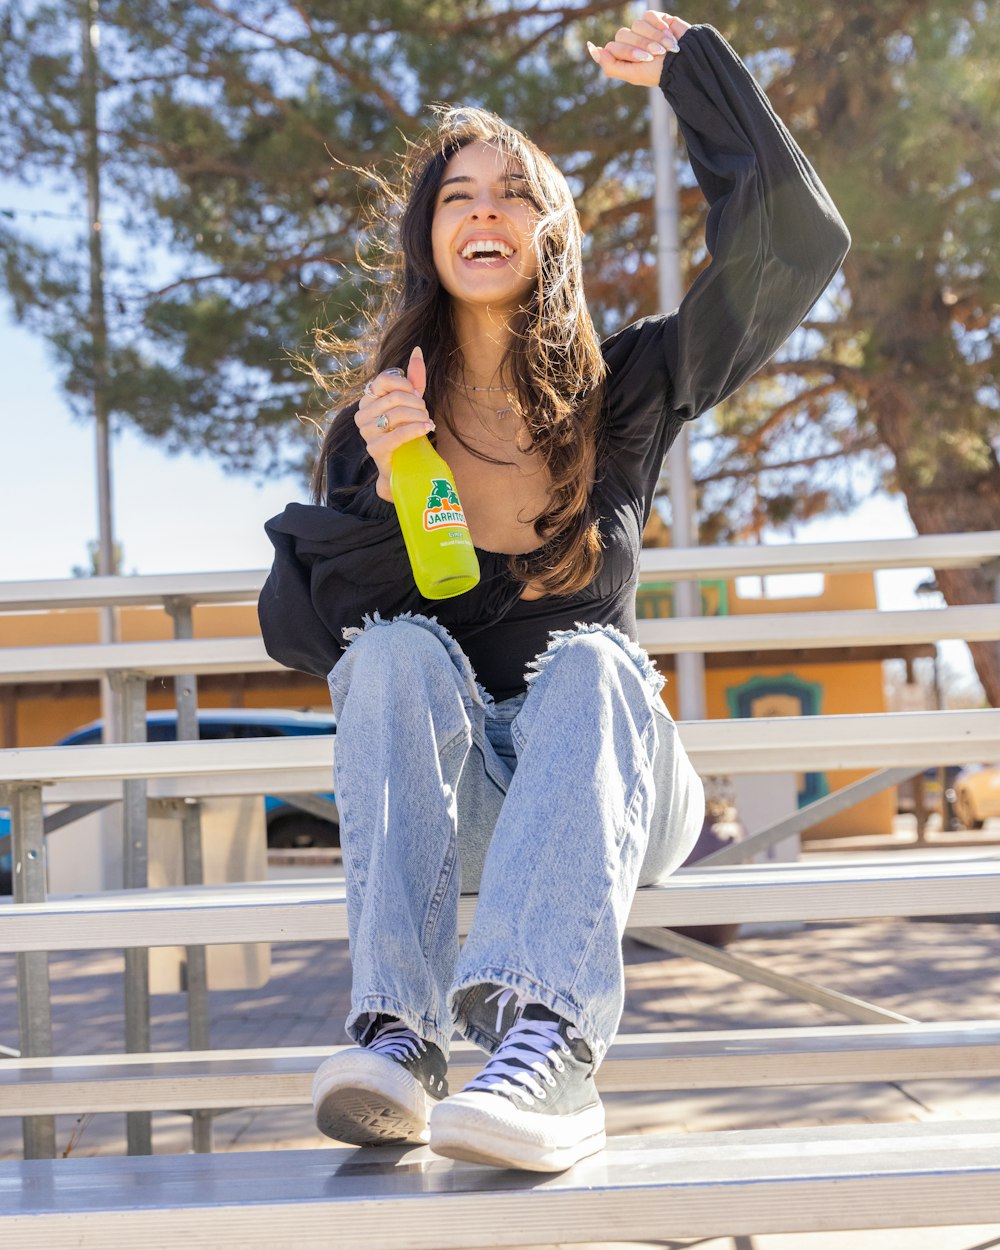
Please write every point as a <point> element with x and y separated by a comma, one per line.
<point>397,1041</point>
<point>529,1050</point>
<point>504,996</point>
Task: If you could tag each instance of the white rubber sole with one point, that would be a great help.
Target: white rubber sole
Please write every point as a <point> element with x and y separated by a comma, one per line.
<point>367,1099</point>
<point>485,1128</point>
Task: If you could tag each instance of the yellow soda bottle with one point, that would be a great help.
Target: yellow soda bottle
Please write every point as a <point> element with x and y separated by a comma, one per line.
<point>434,528</point>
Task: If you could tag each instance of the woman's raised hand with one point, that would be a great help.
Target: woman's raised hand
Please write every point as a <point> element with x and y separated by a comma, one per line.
<point>636,53</point>
<point>392,412</point>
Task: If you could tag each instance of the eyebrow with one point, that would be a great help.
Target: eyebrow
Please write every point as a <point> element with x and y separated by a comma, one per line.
<point>512,177</point>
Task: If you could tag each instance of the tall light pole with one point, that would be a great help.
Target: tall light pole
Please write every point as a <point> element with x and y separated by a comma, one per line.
<point>90,38</point>
<point>690,667</point>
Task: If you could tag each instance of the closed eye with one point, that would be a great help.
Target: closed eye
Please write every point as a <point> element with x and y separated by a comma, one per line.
<point>510,194</point>
<point>522,193</point>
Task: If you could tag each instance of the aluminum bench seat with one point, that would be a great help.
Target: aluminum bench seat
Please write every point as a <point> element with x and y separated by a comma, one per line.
<point>290,911</point>
<point>640,1188</point>
<point>771,632</point>
<point>304,765</point>
<point>186,1080</point>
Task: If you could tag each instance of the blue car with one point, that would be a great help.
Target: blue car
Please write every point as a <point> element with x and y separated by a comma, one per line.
<point>287,826</point>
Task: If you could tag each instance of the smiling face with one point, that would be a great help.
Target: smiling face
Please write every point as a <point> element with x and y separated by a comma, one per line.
<point>481,232</point>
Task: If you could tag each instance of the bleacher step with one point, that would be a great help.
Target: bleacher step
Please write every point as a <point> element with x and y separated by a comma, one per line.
<point>291,911</point>
<point>746,1058</point>
<point>640,1188</point>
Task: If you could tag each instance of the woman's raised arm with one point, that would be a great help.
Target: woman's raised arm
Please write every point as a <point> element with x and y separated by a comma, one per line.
<point>773,233</point>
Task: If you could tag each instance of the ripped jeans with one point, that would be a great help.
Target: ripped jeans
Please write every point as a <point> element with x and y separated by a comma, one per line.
<point>553,806</point>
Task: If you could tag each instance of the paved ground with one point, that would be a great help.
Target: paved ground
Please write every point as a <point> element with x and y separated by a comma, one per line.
<point>932,970</point>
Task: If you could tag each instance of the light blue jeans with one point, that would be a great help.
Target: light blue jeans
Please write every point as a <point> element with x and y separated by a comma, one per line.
<point>553,806</point>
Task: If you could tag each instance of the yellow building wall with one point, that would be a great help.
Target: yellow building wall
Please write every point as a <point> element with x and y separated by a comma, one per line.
<point>43,719</point>
<point>844,689</point>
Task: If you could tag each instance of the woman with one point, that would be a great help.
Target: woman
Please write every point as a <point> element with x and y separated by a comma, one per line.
<point>514,744</point>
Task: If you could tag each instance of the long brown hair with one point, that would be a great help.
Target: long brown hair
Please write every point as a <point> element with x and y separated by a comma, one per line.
<point>553,364</point>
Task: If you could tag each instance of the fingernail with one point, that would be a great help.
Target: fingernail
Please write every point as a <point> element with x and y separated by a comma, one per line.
<point>674,45</point>
<point>641,56</point>
<point>417,351</point>
<point>594,51</point>
<point>658,48</point>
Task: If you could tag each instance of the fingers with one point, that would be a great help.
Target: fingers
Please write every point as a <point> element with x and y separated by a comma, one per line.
<point>664,23</point>
<point>416,371</point>
<point>384,383</point>
<point>381,413</point>
<point>386,421</point>
<point>627,48</point>
<point>414,378</point>
<point>664,27</point>
<point>642,36</point>
<point>657,32</point>
<point>646,41</point>
<point>392,412</point>
<point>628,63</point>
<point>383,445</point>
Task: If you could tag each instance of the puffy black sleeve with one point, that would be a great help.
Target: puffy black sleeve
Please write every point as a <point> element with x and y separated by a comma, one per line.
<point>333,563</point>
<point>775,241</point>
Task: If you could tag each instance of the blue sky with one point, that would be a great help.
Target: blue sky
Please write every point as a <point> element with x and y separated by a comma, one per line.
<point>172,513</point>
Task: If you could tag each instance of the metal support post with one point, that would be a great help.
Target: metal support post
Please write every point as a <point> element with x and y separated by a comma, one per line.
<point>992,570</point>
<point>196,980</point>
<point>748,970</point>
<point>131,689</point>
<point>98,329</point>
<point>920,808</point>
<point>690,666</point>
<point>34,1009</point>
<point>806,817</point>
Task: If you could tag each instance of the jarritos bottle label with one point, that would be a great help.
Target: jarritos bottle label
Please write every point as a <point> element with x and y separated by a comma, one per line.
<point>443,507</point>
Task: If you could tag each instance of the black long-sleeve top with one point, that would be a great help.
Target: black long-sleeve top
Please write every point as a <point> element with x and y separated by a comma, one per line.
<point>775,239</point>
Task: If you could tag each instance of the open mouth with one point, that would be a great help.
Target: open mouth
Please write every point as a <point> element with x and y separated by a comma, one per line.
<point>490,253</point>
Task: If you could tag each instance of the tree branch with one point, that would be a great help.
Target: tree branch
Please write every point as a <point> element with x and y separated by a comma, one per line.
<point>364,82</point>
<point>866,442</point>
<point>810,367</point>
<point>248,277</point>
<point>503,14</point>
<point>752,442</point>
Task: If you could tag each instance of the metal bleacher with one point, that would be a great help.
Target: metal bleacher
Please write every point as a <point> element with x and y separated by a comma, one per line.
<point>641,1188</point>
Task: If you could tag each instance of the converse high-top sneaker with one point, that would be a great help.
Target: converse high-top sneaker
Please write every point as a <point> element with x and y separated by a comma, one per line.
<point>381,1092</point>
<point>533,1106</point>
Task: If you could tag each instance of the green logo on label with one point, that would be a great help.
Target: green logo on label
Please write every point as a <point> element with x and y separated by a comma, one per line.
<point>442,494</point>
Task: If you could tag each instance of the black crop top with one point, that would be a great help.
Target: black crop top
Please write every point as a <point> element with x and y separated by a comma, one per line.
<point>775,239</point>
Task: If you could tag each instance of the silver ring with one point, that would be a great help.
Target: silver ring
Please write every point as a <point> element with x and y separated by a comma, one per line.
<point>382,422</point>
<point>395,373</point>
<point>367,388</point>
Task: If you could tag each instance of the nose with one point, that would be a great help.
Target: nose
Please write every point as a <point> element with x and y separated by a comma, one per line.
<point>484,207</point>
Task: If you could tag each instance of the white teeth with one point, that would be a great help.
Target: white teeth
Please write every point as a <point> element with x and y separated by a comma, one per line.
<point>477,246</point>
